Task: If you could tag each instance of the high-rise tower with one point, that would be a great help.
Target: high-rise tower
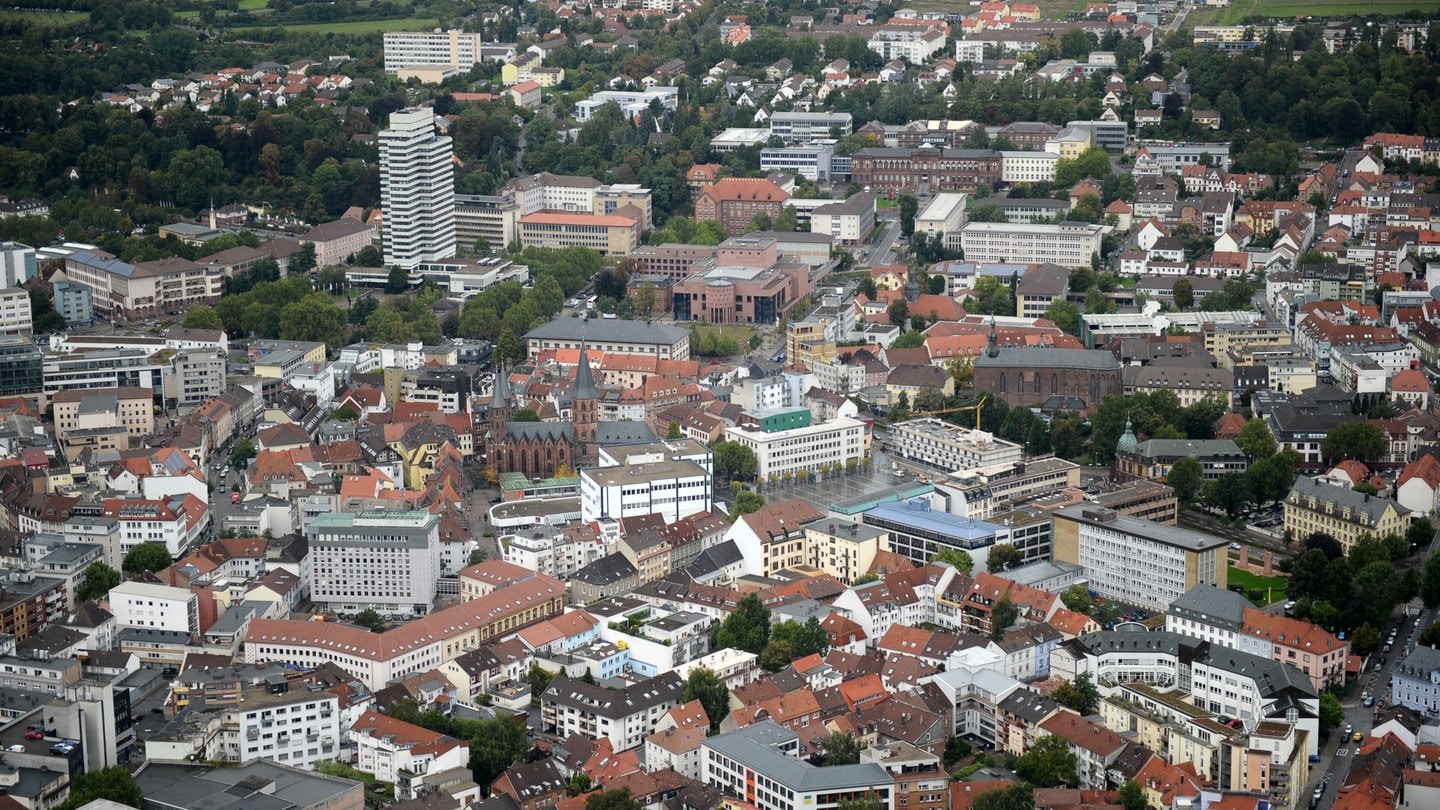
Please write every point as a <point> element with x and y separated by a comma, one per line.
<point>417,190</point>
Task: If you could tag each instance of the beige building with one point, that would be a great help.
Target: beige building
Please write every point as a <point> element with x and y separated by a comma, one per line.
<point>146,289</point>
<point>843,549</point>
<point>611,235</point>
<point>15,316</point>
<point>1339,511</point>
<point>103,418</point>
<point>1136,561</point>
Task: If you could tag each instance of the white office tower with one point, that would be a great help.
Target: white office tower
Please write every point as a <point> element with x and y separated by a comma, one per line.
<point>417,190</point>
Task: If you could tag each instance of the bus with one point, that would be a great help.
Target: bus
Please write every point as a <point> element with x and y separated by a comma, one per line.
<point>590,302</point>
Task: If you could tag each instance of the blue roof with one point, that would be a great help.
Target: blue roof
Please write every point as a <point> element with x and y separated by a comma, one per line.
<point>104,262</point>
<point>918,514</point>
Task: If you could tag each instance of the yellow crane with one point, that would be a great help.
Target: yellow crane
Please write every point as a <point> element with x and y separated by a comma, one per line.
<point>977,408</point>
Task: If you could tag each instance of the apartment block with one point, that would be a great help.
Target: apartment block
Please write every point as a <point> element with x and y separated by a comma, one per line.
<point>1137,561</point>
<point>384,561</point>
<point>1069,244</point>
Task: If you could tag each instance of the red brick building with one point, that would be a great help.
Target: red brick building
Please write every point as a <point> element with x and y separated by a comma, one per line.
<point>734,202</point>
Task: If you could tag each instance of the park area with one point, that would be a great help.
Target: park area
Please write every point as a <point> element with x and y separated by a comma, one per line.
<point>1259,589</point>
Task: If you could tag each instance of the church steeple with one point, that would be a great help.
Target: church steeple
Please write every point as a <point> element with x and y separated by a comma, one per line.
<point>584,380</point>
<point>587,412</point>
<point>500,393</point>
<point>992,346</point>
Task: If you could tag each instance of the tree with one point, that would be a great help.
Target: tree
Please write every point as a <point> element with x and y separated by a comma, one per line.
<point>1078,599</point>
<point>777,655</point>
<point>99,579</point>
<point>614,799</point>
<point>1131,796</point>
<point>910,340</point>
<point>747,627</point>
<point>674,432</point>
<point>804,639</point>
<point>908,206</point>
<point>746,502</point>
<point>956,749</point>
<point>146,557</point>
<point>1430,636</point>
<point>496,745</point>
<point>1048,763</point>
<point>899,312</point>
<point>539,679</point>
<point>478,556</point>
<point>1365,640</point>
<point>1080,694</point>
<point>841,748</point>
<point>1186,478</point>
<point>1256,440</point>
<point>314,318</point>
<point>1003,617</point>
<point>371,619</point>
<point>957,557</point>
<point>113,783</point>
<point>202,317</point>
<point>370,256</point>
<point>734,462</point>
<point>1420,534</point>
<point>44,317</point>
<point>705,686</point>
<point>866,287</point>
<point>1229,492</point>
<point>579,784</point>
<point>1014,796</point>
<point>398,281</point>
<point>243,451</point>
<point>1332,714</point>
<point>1064,315</point>
<point>1003,557</point>
<point>302,261</point>
<point>525,415</point>
<point>1184,293</point>
<point>1362,441</point>
<point>1430,584</point>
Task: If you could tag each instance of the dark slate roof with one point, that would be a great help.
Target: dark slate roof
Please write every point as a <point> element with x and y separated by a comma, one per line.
<point>715,558</point>
<point>558,431</point>
<point>1088,359</point>
<point>1215,606</point>
<point>607,570</point>
<point>623,433</point>
<point>659,691</point>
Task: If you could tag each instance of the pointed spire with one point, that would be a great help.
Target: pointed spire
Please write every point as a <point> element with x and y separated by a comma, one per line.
<point>992,347</point>
<point>500,394</point>
<point>584,380</point>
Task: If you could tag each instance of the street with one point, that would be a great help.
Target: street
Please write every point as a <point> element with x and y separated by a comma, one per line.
<point>884,251</point>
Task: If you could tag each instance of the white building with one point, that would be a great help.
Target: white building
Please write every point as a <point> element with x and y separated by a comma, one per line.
<point>632,102</point>
<point>1136,561</point>
<point>155,607</point>
<point>914,44</point>
<point>394,750</point>
<point>944,214</point>
<point>1028,167</point>
<point>624,716</point>
<point>1415,681</point>
<point>803,449</point>
<point>451,48</point>
<point>804,127</point>
<point>951,447</point>
<point>849,222</point>
<point>810,161</point>
<point>760,764</point>
<point>15,318</point>
<point>1069,244</point>
<point>671,477</point>
<point>417,190</point>
<point>385,561</point>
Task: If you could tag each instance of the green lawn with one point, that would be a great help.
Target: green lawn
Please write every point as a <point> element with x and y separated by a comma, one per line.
<point>53,17</point>
<point>1241,9</point>
<point>362,26</point>
<point>1260,590</point>
<point>253,5</point>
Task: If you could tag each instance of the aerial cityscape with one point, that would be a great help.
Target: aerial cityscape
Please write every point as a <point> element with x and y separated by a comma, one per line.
<point>724,405</point>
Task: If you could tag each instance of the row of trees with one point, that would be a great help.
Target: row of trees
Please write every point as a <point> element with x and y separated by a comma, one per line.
<point>1355,591</point>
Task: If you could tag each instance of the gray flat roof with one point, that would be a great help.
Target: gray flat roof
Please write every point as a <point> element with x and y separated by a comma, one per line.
<point>1147,529</point>
<point>755,744</point>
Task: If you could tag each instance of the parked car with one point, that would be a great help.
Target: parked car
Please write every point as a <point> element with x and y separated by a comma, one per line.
<point>34,735</point>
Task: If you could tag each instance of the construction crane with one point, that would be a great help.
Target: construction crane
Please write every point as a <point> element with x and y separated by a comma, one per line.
<point>977,408</point>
